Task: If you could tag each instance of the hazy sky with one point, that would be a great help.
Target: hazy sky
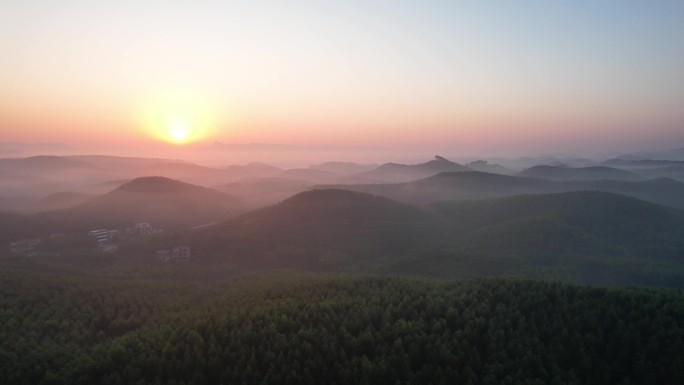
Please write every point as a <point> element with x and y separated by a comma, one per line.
<point>487,76</point>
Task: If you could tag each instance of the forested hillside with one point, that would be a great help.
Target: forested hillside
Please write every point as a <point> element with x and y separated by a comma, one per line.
<point>299,329</point>
<point>581,237</point>
<point>321,229</point>
<point>167,203</point>
<point>154,199</point>
<point>603,220</point>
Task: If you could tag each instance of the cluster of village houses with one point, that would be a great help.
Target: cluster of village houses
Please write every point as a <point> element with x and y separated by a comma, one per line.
<point>107,241</point>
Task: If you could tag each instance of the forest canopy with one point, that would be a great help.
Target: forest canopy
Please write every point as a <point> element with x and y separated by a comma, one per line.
<point>295,328</point>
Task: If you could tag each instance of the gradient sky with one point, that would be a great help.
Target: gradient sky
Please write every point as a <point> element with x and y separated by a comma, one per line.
<point>488,76</point>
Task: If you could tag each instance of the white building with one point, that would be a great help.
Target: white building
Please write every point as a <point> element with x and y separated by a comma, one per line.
<point>100,235</point>
<point>106,240</point>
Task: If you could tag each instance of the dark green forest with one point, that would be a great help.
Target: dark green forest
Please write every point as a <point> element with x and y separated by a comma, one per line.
<point>296,328</point>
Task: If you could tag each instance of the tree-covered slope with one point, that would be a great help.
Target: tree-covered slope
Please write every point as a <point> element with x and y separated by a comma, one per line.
<point>162,201</point>
<point>294,329</point>
<point>625,223</point>
<point>315,229</point>
<point>586,237</point>
<point>158,199</point>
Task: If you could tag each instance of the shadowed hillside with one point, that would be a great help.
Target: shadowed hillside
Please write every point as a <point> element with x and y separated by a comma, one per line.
<point>586,237</point>
<point>582,173</point>
<point>163,201</point>
<point>589,223</point>
<point>315,229</point>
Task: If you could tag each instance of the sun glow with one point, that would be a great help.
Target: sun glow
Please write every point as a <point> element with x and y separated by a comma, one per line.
<point>179,118</point>
<point>179,129</point>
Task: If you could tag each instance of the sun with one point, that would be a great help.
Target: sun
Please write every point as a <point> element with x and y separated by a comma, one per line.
<point>178,129</point>
<point>179,117</point>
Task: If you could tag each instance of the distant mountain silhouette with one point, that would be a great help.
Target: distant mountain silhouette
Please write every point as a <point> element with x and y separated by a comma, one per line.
<point>162,201</point>
<point>159,185</point>
<point>15,148</point>
<point>109,162</point>
<point>674,172</point>
<point>42,165</point>
<point>676,154</point>
<point>62,200</point>
<point>522,163</point>
<point>32,185</point>
<point>395,172</point>
<point>664,191</point>
<point>648,168</point>
<point>261,191</point>
<point>82,172</point>
<point>441,164</point>
<point>582,173</point>
<point>478,185</point>
<point>343,167</point>
<point>38,176</point>
<point>641,163</point>
<point>456,186</point>
<point>310,175</point>
<point>673,155</point>
<point>485,166</point>
<point>253,169</point>
<point>114,167</point>
<point>103,187</point>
